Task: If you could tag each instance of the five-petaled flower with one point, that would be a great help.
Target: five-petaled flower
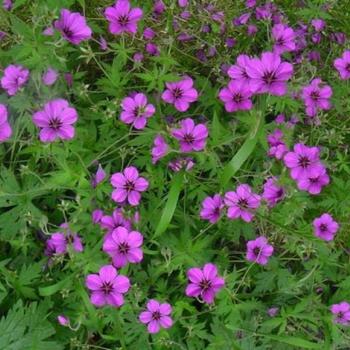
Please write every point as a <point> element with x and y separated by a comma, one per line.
<point>157,316</point>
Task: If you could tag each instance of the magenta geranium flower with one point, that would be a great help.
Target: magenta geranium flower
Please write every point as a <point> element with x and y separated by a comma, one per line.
<point>303,162</point>
<point>269,74</point>
<point>212,208</point>
<point>342,65</point>
<point>98,177</point>
<point>284,38</point>
<point>325,227</point>
<point>160,148</point>
<point>314,184</point>
<point>277,147</point>
<point>122,18</point>
<point>341,313</point>
<point>55,121</point>
<point>178,164</point>
<point>239,70</point>
<point>117,219</point>
<point>242,203</point>
<point>107,287</point>
<point>60,241</point>
<point>318,24</point>
<point>123,246</point>
<point>316,96</point>
<point>157,316</point>
<point>97,215</point>
<point>236,96</point>
<point>5,128</point>
<point>204,283</point>
<point>180,94</point>
<point>63,320</point>
<point>136,111</point>
<point>128,186</point>
<point>49,77</point>
<point>15,76</point>
<point>73,27</point>
<point>259,250</point>
<point>273,193</point>
<point>191,137</point>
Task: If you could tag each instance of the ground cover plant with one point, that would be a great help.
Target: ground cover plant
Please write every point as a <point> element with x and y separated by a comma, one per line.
<point>174,174</point>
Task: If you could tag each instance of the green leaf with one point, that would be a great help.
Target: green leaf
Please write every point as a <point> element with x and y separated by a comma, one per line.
<point>54,288</point>
<point>170,206</point>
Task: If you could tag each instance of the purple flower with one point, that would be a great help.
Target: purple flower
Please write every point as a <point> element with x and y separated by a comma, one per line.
<point>7,5</point>
<point>136,111</point>
<point>49,77</point>
<point>342,65</point>
<point>182,3</point>
<point>68,77</point>
<point>73,27</point>
<point>250,3</point>
<point>273,193</point>
<point>242,203</point>
<point>63,320</point>
<point>138,57</point>
<point>122,18</point>
<point>313,184</point>
<point>124,247</point>
<point>160,148</point>
<point>2,35</point>
<point>241,20</point>
<point>180,94</point>
<point>284,38</point>
<point>97,215</point>
<point>236,96</point>
<point>341,313</point>
<point>280,119</point>
<point>103,43</point>
<point>277,147</point>
<point>318,24</point>
<point>60,241</point>
<point>272,311</point>
<point>259,250</point>
<point>152,49</point>
<point>14,78</point>
<point>128,185</point>
<point>325,227</point>
<point>156,316</point>
<point>186,163</point>
<point>303,162</point>
<point>98,177</point>
<point>252,29</point>
<point>316,96</point>
<point>204,283</point>
<point>5,128</point>
<point>191,137</point>
<point>107,287</point>
<point>239,70</point>
<point>159,7</point>
<point>49,31</point>
<point>269,74</point>
<point>212,208</point>
<point>55,121</point>
<point>117,219</point>
<point>149,33</point>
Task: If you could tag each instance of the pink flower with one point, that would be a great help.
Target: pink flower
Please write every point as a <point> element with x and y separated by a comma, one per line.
<point>259,250</point>
<point>107,287</point>
<point>49,31</point>
<point>182,3</point>
<point>239,70</point>
<point>149,33</point>
<point>341,313</point>
<point>269,74</point>
<point>325,227</point>
<point>313,184</point>
<point>236,96</point>
<point>73,27</point>
<point>160,148</point>
<point>273,193</point>
<point>97,215</point>
<point>124,247</point>
<point>98,177</point>
<point>5,128</point>
<point>342,65</point>
<point>284,38</point>
<point>316,96</point>
<point>152,49</point>
<point>136,111</point>
<point>14,78</point>
<point>55,121</point>
<point>242,203</point>
<point>63,320</point>
<point>191,137</point>
<point>49,77</point>
<point>156,316</point>
<point>122,18</point>
<point>204,283</point>
<point>186,163</point>
<point>180,94</point>
<point>128,185</point>
<point>212,208</point>
<point>117,219</point>
<point>303,162</point>
<point>7,5</point>
<point>277,147</point>
<point>318,24</point>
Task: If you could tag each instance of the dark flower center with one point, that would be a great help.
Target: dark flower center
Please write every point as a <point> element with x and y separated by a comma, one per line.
<point>269,77</point>
<point>69,238</point>
<point>323,227</point>
<point>304,162</point>
<point>107,287</point>
<point>314,180</point>
<point>123,248</point>
<point>315,95</point>
<point>138,111</point>
<point>68,32</point>
<point>123,20</point>
<point>55,123</point>
<point>280,41</point>
<point>205,284</point>
<point>238,98</point>
<point>279,193</point>
<point>242,203</point>
<point>188,138</point>
<point>256,251</point>
<point>177,92</point>
<point>129,186</point>
<point>348,67</point>
<point>156,315</point>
